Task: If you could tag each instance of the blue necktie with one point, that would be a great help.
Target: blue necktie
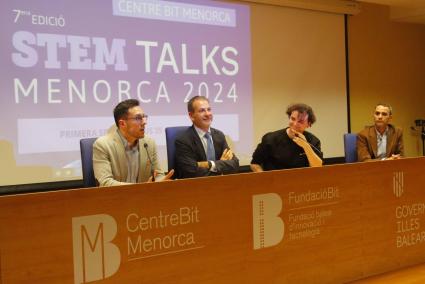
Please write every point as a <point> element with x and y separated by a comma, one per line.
<point>210,148</point>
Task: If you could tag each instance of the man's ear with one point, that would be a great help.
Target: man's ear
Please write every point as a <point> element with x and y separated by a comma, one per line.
<point>191,116</point>
<point>121,123</point>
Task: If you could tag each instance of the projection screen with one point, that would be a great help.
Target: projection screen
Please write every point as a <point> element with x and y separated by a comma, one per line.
<point>66,64</point>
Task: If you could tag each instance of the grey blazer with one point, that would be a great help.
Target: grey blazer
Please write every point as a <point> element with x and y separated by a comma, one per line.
<point>110,161</point>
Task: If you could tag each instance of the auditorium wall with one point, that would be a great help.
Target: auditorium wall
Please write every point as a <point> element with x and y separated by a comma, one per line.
<point>387,64</point>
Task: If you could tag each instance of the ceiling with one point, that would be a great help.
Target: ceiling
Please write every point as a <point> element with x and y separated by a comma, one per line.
<point>412,11</point>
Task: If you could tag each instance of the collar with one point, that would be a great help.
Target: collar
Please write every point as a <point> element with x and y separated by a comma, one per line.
<point>381,135</point>
<point>201,132</point>
<point>125,142</point>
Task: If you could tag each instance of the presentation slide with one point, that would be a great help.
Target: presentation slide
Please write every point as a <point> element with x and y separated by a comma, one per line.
<point>66,64</point>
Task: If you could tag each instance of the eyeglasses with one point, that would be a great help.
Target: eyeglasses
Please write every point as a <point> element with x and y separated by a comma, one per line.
<point>139,118</point>
<point>380,112</point>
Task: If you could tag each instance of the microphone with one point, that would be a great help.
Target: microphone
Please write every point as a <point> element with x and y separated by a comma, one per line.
<point>312,146</point>
<point>149,157</point>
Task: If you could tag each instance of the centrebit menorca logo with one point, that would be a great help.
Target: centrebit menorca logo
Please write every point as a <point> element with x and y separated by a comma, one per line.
<point>268,227</point>
<point>95,256</point>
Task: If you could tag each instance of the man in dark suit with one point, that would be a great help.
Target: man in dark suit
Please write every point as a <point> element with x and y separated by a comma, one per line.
<point>202,150</point>
<point>381,141</point>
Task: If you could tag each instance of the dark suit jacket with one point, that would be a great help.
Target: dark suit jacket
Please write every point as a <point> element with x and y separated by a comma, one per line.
<point>189,151</point>
<point>367,143</point>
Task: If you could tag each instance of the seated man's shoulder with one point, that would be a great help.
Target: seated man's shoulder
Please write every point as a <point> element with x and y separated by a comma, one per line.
<point>395,128</point>
<point>185,135</point>
<point>398,132</point>
<point>101,140</point>
<point>107,139</point>
<point>217,131</point>
<point>366,130</point>
<point>310,136</point>
<point>273,135</point>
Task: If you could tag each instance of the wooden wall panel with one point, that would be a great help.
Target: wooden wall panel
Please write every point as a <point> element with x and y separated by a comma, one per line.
<point>340,223</point>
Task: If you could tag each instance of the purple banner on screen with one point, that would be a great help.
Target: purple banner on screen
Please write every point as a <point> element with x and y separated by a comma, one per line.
<point>66,63</point>
<point>175,11</point>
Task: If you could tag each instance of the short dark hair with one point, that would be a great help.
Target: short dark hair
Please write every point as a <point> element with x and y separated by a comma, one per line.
<point>387,106</point>
<point>192,100</point>
<point>121,110</point>
<point>302,108</point>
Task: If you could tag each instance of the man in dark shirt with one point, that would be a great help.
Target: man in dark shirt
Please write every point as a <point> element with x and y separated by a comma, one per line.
<point>291,147</point>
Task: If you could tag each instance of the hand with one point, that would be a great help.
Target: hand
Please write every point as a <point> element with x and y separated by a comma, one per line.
<point>256,168</point>
<point>300,139</point>
<point>227,155</point>
<point>167,177</point>
<point>292,133</point>
<point>155,173</point>
<point>394,157</point>
<point>203,164</point>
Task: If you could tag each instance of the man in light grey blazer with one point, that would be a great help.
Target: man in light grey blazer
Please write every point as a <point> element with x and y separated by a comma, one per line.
<point>126,155</point>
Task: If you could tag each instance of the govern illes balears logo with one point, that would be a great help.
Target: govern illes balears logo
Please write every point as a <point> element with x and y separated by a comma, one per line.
<point>95,256</point>
<point>398,183</point>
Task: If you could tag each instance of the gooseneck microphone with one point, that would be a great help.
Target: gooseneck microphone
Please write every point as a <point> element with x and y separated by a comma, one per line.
<point>149,157</point>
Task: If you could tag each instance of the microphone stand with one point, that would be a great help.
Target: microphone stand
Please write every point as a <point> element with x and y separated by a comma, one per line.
<point>421,123</point>
<point>423,138</point>
<point>149,157</point>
